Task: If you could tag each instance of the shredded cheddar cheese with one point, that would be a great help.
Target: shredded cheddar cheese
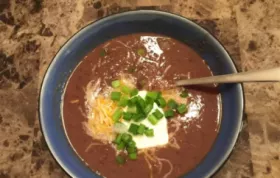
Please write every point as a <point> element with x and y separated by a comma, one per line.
<point>100,123</point>
<point>154,162</point>
<point>74,101</point>
<point>100,109</point>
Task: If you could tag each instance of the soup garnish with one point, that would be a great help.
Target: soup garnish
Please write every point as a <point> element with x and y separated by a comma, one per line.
<point>131,108</point>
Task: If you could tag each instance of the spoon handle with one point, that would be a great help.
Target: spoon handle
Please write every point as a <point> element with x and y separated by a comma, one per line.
<point>267,75</point>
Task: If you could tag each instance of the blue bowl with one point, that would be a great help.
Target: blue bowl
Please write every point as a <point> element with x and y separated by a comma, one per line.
<point>122,24</point>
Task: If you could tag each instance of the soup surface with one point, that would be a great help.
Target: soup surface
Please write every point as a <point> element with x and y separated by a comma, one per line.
<point>148,62</point>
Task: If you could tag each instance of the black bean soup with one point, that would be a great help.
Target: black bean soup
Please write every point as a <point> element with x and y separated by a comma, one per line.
<point>98,107</point>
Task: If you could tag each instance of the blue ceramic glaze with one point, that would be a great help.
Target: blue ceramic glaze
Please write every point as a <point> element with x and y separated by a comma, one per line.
<point>126,23</point>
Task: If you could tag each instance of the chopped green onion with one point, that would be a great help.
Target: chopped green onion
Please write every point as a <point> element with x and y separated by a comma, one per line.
<point>121,145</point>
<point>134,92</point>
<point>141,52</point>
<point>119,127</point>
<point>131,149</point>
<point>120,159</point>
<point>139,109</point>
<point>169,113</point>
<point>184,94</point>
<point>118,139</point>
<point>133,129</point>
<point>172,104</point>
<point>123,101</point>
<point>182,108</point>
<point>158,114</point>
<point>126,89</point>
<point>115,96</point>
<point>132,109</point>
<point>149,100</point>
<point>153,94</point>
<point>149,132</point>
<point>116,83</point>
<point>102,53</point>
<point>161,102</point>
<point>127,116</point>
<point>141,102</point>
<point>132,156</point>
<point>131,144</point>
<point>138,117</point>
<point>133,100</point>
<point>126,138</point>
<point>117,115</point>
<point>152,118</point>
<point>129,103</point>
<point>141,129</point>
<point>148,108</point>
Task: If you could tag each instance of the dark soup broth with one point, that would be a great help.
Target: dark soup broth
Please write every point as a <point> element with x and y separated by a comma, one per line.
<point>125,118</point>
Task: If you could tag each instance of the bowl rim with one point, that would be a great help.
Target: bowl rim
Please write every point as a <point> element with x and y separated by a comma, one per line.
<point>118,15</point>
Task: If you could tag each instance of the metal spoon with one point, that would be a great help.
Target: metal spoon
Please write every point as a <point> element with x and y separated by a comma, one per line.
<point>267,75</point>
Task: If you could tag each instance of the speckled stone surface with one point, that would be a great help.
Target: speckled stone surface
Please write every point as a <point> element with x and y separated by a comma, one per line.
<point>32,31</point>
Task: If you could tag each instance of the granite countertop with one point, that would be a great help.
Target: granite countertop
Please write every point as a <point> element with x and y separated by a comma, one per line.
<point>32,31</point>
